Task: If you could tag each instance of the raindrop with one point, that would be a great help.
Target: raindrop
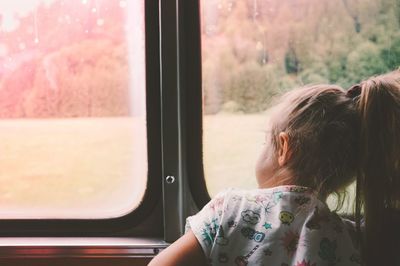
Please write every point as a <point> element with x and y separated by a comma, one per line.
<point>255,10</point>
<point>122,4</point>
<point>35,26</point>
<point>100,22</point>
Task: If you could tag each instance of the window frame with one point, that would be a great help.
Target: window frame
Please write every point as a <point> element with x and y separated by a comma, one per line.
<point>194,105</point>
<point>174,133</point>
<point>148,208</point>
<point>182,114</point>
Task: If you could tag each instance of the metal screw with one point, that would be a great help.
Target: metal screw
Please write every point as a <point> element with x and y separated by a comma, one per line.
<point>170,179</point>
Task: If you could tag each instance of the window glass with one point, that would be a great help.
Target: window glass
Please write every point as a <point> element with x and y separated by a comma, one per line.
<point>72,108</point>
<point>254,50</point>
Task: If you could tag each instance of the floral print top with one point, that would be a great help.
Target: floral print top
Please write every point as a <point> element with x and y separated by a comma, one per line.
<point>281,226</point>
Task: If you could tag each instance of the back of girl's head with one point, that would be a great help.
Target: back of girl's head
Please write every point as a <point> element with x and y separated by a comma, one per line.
<point>378,180</point>
<point>336,135</point>
<point>322,124</point>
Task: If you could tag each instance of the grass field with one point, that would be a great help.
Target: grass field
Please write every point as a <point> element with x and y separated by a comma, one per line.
<point>232,144</point>
<point>92,168</point>
<point>84,168</point>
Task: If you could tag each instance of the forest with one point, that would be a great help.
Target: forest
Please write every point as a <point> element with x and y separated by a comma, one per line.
<point>254,50</point>
<point>69,58</point>
<point>65,59</point>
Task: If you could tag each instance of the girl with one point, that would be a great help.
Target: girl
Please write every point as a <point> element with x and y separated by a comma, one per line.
<point>320,138</point>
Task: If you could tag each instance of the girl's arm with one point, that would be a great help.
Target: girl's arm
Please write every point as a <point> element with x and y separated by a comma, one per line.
<point>185,251</point>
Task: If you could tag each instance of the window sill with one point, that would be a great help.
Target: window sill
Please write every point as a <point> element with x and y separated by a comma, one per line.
<point>82,247</point>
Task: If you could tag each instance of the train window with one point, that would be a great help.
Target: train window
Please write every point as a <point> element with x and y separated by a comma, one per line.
<point>72,108</point>
<point>254,50</point>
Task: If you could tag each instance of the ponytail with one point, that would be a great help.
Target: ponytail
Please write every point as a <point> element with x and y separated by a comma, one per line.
<point>378,179</point>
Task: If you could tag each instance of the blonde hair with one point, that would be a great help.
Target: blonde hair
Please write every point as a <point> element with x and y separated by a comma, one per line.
<point>337,136</point>
<point>322,124</point>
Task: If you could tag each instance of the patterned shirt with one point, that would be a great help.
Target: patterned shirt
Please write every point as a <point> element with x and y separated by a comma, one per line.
<point>281,226</point>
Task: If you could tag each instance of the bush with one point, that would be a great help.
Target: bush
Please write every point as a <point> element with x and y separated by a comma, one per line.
<point>292,63</point>
<point>391,55</point>
<point>363,62</point>
<point>253,87</point>
<point>231,107</point>
<point>316,74</point>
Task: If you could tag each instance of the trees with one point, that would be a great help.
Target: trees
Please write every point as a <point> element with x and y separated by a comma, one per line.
<point>391,54</point>
<point>83,80</point>
<point>364,61</point>
<point>289,42</point>
<point>307,41</point>
<point>253,87</point>
<point>78,67</point>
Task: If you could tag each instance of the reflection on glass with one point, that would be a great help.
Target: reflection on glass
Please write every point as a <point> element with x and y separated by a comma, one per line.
<point>72,108</point>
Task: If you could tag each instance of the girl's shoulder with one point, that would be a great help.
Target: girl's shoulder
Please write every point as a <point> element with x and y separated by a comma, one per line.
<point>260,195</point>
<point>282,201</point>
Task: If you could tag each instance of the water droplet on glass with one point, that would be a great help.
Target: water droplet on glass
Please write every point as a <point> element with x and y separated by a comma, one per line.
<point>122,4</point>
<point>100,22</point>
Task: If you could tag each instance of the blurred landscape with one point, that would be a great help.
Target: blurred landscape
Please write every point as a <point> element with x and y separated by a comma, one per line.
<point>65,59</point>
<point>67,136</point>
<point>254,50</point>
<point>71,144</point>
<point>64,168</point>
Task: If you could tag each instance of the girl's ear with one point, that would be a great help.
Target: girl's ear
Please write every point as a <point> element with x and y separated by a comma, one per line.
<point>283,153</point>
